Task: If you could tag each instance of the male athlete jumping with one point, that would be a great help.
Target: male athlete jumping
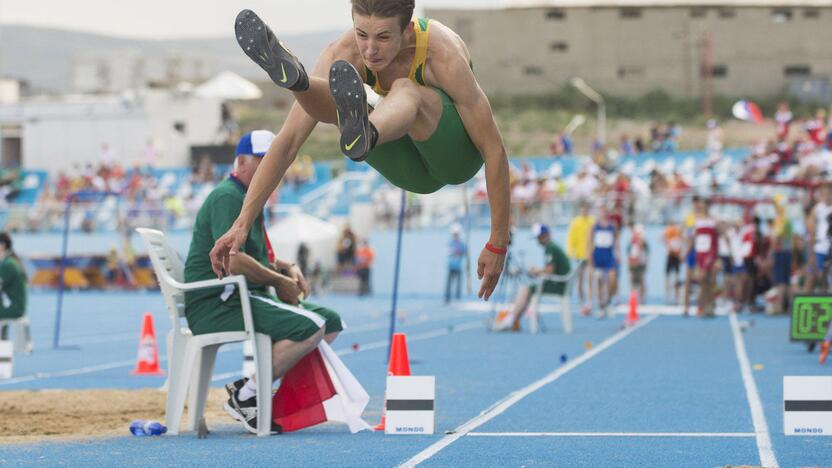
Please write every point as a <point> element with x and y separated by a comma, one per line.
<point>434,125</point>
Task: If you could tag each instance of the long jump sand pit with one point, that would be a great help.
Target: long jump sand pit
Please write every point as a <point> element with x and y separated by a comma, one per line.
<point>53,415</point>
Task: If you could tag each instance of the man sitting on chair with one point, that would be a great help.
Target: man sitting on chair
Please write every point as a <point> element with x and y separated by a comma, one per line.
<point>13,290</point>
<point>296,327</point>
<point>556,263</point>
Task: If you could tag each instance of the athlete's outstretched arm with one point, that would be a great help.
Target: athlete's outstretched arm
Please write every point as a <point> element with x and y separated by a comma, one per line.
<point>282,152</point>
<point>453,74</point>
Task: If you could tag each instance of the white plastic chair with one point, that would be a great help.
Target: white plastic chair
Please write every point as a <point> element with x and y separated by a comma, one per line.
<point>22,335</point>
<point>565,308</point>
<point>191,357</point>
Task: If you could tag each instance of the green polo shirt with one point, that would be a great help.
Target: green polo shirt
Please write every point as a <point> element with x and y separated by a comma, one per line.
<point>215,217</point>
<point>555,257</point>
<point>12,289</point>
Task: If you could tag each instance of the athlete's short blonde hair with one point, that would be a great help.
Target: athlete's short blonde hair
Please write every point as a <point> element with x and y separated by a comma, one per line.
<point>403,9</point>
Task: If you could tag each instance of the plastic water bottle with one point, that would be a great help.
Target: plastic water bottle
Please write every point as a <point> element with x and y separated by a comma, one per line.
<point>141,428</point>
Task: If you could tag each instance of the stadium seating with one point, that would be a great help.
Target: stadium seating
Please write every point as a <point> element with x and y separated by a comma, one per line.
<point>324,196</point>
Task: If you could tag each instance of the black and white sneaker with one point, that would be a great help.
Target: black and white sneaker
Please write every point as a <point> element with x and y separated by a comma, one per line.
<point>234,387</point>
<point>246,412</point>
<point>347,90</point>
<point>263,47</point>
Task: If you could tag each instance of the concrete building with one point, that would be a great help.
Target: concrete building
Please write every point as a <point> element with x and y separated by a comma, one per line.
<point>148,126</point>
<point>688,48</point>
<point>113,72</point>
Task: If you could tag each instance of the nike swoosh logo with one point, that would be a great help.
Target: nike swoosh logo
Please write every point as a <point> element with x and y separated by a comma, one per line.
<point>283,80</point>
<point>349,146</point>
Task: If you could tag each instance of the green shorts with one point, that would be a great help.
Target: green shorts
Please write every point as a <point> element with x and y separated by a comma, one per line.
<point>11,314</point>
<point>271,317</point>
<point>550,287</point>
<point>447,157</point>
<point>637,273</point>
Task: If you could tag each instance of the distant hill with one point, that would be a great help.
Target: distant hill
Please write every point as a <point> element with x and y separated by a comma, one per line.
<point>43,57</point>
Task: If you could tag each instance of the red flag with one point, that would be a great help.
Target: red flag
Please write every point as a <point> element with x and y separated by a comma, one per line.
<point>319,388</point>
<point>297,403</point>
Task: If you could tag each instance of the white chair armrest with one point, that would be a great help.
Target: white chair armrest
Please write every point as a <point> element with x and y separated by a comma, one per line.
<point>560,278</point>
<point>236,279</point>
<point>242,286</point>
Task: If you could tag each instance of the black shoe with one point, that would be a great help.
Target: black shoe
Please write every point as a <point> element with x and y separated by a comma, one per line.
<point>347,90</point>
<point>246,413</point>
<point>261,45</point>
<point>234,387</point>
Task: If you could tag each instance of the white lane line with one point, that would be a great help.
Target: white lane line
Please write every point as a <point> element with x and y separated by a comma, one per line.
<point>418,337</point>
<point>612,434</point>
<point>381,344</point>
<point>101,339</point>
<point>226,376</point>
<point>623,309</point>
<point>82,340</point>
<point>233,347</point>
<point>514,397</point>
<point>758,417</point>
<point>91,369</point>
<point>383,324</point>
<point>82,370</point>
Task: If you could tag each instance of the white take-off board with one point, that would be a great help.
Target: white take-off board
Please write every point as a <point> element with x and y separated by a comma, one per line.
<point>807,405</point>
<point>410,405</point>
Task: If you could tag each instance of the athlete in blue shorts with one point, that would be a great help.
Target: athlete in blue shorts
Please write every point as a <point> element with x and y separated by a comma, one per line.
<point>603,242</point>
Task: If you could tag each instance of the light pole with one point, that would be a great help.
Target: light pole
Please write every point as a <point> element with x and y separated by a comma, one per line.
<point>595,97</point>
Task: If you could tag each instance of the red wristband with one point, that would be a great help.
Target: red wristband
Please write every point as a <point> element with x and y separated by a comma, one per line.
<point>495,250</point>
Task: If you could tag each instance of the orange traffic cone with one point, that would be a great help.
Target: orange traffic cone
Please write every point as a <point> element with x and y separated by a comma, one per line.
<point>147,362</point>
<point>399,365</point>
<point>632,316</point>
<point>399,362</point>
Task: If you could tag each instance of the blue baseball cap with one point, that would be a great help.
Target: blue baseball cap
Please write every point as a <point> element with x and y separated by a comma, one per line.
<point>255,143</point>
<point>540,229</point>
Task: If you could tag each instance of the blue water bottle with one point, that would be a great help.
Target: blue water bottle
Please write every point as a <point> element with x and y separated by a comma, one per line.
<point>137,428</point>
<point>141,428</point>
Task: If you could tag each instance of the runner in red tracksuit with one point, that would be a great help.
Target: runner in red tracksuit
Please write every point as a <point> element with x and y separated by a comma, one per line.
<point>706,244</point>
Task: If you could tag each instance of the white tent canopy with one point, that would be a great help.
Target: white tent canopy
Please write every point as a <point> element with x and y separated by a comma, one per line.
<point>230,86</point>
<point>319,236</point>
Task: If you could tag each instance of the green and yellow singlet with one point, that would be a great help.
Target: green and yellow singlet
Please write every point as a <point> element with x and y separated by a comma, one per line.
<point>421,26</point>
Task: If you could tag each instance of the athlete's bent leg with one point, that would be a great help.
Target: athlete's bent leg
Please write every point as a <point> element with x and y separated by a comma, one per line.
<point>261,45</point>
<point>286,353</point>
<point>330,337</point>
<point>521,302</point>
<point>408,109</point>
<point>317,100</point>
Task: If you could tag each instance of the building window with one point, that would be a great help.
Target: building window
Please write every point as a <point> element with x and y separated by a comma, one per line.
<point>797,70</point>
<point>719,71</point>
<point>698,12</point>
<point>630,13</point>
<point>559,46</point>
<point>630,71</point>
<point>532,70</point>
<point>555,14</point>
<point>781,15</point>
<point>811,13</point>
<point>727,13</point>
<point>102,72</point>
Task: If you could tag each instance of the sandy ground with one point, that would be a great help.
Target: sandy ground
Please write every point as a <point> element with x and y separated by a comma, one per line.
<point>54,415</point>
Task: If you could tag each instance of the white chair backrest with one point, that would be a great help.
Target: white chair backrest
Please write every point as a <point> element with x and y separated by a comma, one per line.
<point>169,268</point>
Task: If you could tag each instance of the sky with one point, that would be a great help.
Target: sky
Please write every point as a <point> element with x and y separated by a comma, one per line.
<point>166,19</point>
